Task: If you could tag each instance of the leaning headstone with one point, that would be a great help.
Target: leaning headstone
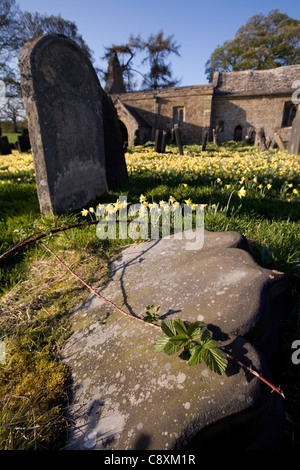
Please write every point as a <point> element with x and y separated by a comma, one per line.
<point>4,146</point>
<point>178,139</point>
<point>66,108</point>
<point>279,142</point>
<point>294,143</point>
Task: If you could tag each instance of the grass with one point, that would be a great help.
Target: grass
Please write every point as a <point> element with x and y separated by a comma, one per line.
<point>37,296</point>
<point>12,136</point>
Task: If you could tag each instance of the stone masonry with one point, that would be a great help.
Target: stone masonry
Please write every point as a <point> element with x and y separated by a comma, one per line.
<point>256,99</point>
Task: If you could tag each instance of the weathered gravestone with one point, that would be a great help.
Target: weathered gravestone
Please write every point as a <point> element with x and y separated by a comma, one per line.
<point>260,140</point>
<point>125,396</point>
<point>72,125</point>
<point>204,140</point>
<point>294,143</point>
<point>178,138</point>
<point>23,143</point>
<point>4,146</point>
<point>158,141</point>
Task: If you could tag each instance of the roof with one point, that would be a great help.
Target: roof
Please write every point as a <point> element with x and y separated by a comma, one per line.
<point>257,82</point>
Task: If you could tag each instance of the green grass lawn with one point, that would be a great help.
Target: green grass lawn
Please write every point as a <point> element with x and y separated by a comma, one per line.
<point>12,136</point>
<point>37,295</point>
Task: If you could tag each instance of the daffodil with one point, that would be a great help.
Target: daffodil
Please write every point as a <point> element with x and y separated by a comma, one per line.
<point>241,193</point>
<point>91,209</point>
<point>84,212</point>
<point>269,186</point>
<point>188,201</point>
<point>295,191</point>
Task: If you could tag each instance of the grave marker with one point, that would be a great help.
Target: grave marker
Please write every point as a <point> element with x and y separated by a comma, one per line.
<point>178,139</point>
<point>204,140</point>
<point>66,109</point>
<point>23,143</point>
<point>158,141</point>
<point>261,140</point>
<point>279,142</point>
<point>4,146</point>
<point>294,144</point>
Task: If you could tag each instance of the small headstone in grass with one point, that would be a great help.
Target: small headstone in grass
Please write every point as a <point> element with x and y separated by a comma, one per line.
<point>72,125</point>
<point>172,138</point>
<point>249,134</point>
<point>24,141</point>
<point>178,139</point>
<point>204,140</point>
<point>294,143</point>
<point>261,140</point>
<point>158,141</point>
<point>216,133</point>
<point>4,146</point>
<point>164,141</point>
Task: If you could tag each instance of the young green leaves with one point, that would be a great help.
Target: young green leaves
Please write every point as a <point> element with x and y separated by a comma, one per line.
<point>194,338</point>
<point>151,313</point>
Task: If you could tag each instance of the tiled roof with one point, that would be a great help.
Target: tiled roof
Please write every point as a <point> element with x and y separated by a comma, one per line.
<point>257,82</point>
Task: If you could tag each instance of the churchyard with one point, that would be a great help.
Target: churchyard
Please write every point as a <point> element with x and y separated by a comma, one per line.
<point>78,374</point>
<point>38,295</point>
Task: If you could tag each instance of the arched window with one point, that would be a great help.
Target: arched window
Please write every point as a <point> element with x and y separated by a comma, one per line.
<point>178,115</point>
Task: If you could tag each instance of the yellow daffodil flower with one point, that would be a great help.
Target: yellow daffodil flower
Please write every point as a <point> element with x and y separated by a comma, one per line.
<point>241,193</point>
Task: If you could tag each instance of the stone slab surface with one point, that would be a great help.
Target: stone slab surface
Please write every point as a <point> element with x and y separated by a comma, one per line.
<point>127,396</point>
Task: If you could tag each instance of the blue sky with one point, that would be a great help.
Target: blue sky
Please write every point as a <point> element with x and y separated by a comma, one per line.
<point>197,26</point>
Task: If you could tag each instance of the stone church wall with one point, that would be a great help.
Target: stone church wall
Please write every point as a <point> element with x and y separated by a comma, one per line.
<point>234,100</point>
<point>190,107</point>
<point>255,112</point>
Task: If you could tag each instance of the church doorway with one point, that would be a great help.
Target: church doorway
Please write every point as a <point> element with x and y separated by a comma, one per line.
<point>124,132</point>
<point>238,133</point>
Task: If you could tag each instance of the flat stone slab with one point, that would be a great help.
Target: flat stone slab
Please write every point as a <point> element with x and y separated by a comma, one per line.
<point>127,396</point>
